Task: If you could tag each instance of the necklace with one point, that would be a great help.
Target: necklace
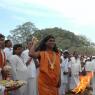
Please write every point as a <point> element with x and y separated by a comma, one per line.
<point>52,64</point>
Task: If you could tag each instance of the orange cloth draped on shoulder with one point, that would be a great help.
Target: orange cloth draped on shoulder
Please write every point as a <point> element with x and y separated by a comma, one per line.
<point>48,78</point>
<point>2,59</point>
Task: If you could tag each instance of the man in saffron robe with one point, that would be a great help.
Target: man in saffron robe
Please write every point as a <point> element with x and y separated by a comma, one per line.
<point>2,62</point>
<point>2,55</point>
<point>49,70</point>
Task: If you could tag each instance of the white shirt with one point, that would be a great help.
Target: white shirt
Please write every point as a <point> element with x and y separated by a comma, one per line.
<point>2,90</point>
<point>75,66</point>
<point>8,52</point>
<point>19,69</point>
<point>89,65</point>
<point>31,67</point>
<point>65,65</point>
<point>93,65</point>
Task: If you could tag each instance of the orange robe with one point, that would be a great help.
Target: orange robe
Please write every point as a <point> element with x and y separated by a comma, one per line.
<point>2,59</point>
<point>48,79</point>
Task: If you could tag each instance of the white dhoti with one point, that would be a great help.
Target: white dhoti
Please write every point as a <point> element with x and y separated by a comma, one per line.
<point>74,81</point>
<point>31,86</point>
<point>63,89</point>
<point>75,69</point>
<point>64,85</point>
<point>93,85</point>
<point>2,89</point>
<point>21,91</point>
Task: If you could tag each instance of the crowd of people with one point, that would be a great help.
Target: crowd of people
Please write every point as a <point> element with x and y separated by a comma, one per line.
<point>46,69</point>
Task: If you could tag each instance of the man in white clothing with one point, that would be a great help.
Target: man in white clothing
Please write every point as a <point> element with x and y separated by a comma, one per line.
<point>93,79</point>
<point>75,70</point>
<point>19,69</point>
<point>8,50</point>
<point>65,73</point>
<point>32,73</point>
<point>2,90</point>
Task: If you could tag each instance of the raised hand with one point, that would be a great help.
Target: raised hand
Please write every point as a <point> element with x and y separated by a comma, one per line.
<point>34,40</point>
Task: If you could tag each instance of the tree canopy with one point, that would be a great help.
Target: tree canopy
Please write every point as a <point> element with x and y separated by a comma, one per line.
<point>22,32</point>
<point>64,38</point>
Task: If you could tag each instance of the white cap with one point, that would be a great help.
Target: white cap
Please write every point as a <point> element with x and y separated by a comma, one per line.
<point>65,51</point>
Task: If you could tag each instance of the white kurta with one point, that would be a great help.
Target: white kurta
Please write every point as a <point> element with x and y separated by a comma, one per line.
<point>2,90</point>
<point>93,79</point>
<point>89,66</point>
<point>65,65</point>
<point>75,69</point>
<point>8,52</point>
<point>19,71</point>
<point>32,79</point>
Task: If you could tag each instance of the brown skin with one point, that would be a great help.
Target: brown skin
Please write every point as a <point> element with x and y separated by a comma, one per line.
<point>29,45</point>
<point>50,44</point>
<point>32,49</point>
<point>18,51</point>
<point>75,55</point>
<point>2,43</point>
<point>9,44</point>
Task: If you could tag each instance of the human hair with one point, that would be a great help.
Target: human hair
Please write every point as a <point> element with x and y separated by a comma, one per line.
<point>75,52</point>
<point>42,46</point>
<point>66,52</point>
<point>2,36</point>
<point>15,47</point>
<point>6,42</point>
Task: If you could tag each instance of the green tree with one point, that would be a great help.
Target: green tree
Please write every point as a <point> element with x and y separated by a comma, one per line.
<point>22,32</point>
<point>67,40</point>
<point>64,38</point>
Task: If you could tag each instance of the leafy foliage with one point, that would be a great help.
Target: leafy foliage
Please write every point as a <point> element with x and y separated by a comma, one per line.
<point>64,39</point>
<point>22,32</point>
